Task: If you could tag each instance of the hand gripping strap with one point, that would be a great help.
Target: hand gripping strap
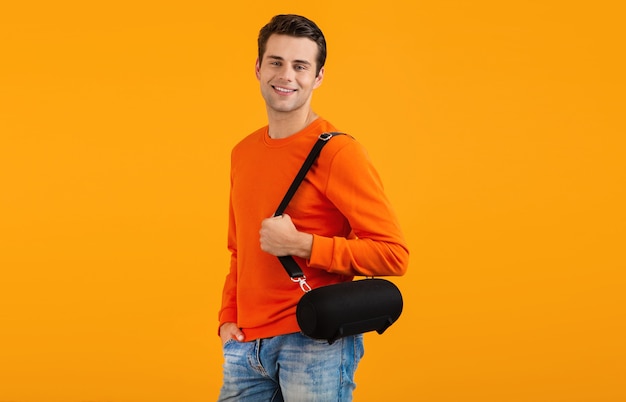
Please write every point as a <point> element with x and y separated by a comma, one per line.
<point>290,265</point>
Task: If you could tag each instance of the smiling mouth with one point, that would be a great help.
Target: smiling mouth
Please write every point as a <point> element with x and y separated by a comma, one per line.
<point>283,90</point>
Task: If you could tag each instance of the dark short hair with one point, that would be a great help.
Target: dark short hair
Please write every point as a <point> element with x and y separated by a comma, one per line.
<point>297,26</point>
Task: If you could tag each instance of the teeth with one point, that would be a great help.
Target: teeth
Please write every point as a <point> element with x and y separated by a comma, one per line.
<point>283,89</point>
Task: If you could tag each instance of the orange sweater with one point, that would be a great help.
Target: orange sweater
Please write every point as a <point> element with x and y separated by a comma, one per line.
<point>341,202</point>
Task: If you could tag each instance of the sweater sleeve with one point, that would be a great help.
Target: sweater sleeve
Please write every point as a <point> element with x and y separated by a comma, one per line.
<point>376,246</point>
<point>228,311</point>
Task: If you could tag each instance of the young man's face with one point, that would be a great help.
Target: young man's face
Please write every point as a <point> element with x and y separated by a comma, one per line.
<point>287,73</point>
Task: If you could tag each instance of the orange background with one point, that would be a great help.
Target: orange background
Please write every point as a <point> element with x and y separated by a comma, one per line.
<point>498,128</point>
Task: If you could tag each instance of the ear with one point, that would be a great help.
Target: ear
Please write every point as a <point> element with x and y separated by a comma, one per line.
<point>257,69</point>
<point>319,78</point>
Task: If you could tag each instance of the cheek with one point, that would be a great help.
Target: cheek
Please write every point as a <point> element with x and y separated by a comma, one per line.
<point>310,82</point>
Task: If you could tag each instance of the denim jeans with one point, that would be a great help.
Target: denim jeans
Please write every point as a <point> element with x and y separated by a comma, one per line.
<point>292,368</point>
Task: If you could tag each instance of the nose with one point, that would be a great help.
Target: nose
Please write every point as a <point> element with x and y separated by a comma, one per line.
<point>286,73</point>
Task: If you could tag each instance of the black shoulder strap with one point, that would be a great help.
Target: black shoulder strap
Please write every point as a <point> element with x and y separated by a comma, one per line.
<point>292,268</point>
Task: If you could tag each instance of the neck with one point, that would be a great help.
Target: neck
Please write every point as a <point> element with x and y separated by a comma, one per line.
<point>283,125</point>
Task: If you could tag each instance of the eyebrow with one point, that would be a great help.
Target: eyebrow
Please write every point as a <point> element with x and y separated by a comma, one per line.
<point>282,59</point>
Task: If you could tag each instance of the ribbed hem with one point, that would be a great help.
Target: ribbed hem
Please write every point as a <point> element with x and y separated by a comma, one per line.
<point>288,325</point>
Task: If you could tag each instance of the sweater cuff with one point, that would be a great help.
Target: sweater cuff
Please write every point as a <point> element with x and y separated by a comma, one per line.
<point>227,315</point>
<point>322,252</point>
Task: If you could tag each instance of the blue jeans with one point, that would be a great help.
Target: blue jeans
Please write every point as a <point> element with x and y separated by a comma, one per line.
<point>290,368</point>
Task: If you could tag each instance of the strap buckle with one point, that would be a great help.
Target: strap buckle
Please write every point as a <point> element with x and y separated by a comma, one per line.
<point>325,136</point>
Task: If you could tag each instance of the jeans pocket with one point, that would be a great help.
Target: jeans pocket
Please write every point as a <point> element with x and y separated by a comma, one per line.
<point>228,343</point>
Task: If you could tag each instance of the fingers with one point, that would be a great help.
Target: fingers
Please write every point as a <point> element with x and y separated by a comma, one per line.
<point>229,331</point>
<point>275,234</point>
<point>238,335</point>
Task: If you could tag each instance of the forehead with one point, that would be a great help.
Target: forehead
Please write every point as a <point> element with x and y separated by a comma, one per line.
<point>291,48</point>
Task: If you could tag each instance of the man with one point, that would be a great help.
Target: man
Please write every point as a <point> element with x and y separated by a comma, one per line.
<point>338,225</point>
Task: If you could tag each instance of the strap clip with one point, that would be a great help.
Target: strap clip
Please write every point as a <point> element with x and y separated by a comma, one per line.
<point>303,285</point>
